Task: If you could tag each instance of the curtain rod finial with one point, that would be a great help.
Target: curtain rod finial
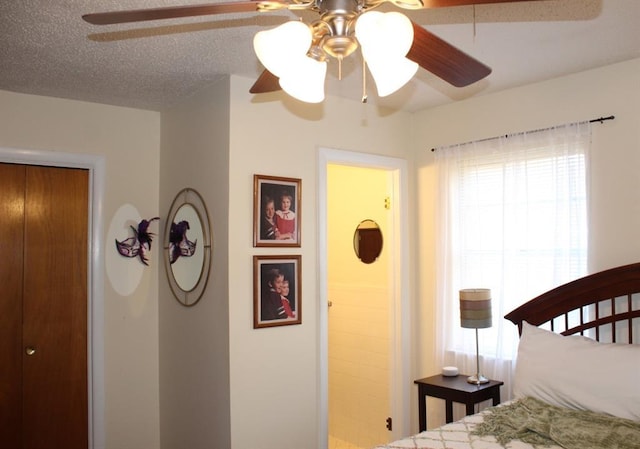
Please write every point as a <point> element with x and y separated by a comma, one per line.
<point>602,119</point>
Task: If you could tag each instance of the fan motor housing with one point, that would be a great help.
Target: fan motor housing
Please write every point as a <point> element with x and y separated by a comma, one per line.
<point>339,18</point>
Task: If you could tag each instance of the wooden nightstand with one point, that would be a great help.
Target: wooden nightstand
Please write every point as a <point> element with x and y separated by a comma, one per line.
<point>454,389</point>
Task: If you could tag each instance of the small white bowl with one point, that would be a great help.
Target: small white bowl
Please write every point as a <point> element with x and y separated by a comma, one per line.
<point>450,371</point>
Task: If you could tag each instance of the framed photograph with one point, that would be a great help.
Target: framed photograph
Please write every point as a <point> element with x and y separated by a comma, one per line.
<point>276,211</point>
<point>276,291</point>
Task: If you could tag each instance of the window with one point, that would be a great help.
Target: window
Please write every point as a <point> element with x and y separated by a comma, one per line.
<point>513,218</point>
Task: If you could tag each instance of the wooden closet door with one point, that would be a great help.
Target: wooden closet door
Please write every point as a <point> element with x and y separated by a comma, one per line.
<point>12,182</point>
<point>52,355</point>
<point>55,309</point>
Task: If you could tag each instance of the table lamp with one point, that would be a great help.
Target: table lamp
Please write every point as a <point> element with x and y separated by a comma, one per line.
<point>475,313</point>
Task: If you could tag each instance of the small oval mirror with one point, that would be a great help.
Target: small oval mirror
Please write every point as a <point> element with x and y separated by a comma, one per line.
<point>187,270</point>
<point>187,244</point>
<point>367,241</point>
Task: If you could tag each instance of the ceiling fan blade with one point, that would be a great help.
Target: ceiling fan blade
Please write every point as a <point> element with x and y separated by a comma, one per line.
<point>447,3</point>
<point>427,4</point>
<point>266,82</point>
<point>172,12</point>
<point>444,60</point>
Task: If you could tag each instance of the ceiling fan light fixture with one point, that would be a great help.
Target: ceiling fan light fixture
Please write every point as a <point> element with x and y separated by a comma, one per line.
<point>390,76</point>
<point>278,47</point>
<point>305,80</point>
<point>409,4</point>
<point>384,34</point>
<point>334,34</point>
<point>284,52</point>
<point>385,40</point>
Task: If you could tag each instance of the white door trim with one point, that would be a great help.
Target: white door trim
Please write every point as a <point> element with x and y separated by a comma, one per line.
<point>95,323</point>
<point>400,388</point>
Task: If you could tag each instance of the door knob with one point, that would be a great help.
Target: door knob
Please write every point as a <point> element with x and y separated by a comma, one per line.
<point>30,350</point>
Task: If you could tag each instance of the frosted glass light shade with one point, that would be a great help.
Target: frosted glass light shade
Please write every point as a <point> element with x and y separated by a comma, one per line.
<point>276,47</point>
<point>283,52</point>
<point>305,80</point>
<point>392,75</point>
<point>385,39</point>
<point>409,4</point>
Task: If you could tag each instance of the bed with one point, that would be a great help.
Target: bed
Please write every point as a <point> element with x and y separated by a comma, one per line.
<point>577,378</point>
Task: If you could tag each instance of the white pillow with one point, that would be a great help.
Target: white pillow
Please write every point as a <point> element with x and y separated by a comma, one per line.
<point>578,373</point>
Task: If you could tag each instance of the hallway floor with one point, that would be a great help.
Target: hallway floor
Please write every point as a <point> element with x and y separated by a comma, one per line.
<point>335,443</point>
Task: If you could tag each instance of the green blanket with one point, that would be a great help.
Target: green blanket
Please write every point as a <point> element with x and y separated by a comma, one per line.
<point>540,424</point>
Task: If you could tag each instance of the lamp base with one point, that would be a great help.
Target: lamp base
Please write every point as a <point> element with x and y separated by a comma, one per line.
<point>477,379</point>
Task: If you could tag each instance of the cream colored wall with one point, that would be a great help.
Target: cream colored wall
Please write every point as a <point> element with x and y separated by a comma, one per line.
<point>194,341</point>
<point>615,179</point>
<point>359,318</point>
<point>274,371</point>
<point>129,140</point>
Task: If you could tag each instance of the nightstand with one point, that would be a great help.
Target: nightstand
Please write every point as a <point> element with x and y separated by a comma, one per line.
<point>454,389</point>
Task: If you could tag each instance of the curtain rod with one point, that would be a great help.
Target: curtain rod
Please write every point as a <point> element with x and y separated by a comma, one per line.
<point>602,119</point>
<point>599,120</point>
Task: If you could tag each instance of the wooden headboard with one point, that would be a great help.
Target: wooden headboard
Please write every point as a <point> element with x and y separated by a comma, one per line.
<point>604,306</point>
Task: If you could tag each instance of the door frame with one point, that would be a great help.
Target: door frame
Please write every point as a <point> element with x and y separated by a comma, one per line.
<point>95,294</point>
<point>399,244</point>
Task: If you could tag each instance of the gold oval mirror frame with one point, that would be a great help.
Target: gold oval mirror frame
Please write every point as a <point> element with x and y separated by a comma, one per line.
<point>367,241</point>
<point>187,247</point>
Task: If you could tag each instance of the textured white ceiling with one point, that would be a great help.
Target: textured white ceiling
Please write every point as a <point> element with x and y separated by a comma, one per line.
<point>47,49</point>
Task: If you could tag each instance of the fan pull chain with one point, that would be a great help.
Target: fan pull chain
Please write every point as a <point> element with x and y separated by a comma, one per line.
<point>364,81</point>
<point>340,68</point>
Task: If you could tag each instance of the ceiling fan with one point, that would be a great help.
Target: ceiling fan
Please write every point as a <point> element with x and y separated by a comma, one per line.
<point>295,54</point>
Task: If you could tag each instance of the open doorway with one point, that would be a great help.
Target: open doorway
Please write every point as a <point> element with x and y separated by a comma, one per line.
<point>391,173</point>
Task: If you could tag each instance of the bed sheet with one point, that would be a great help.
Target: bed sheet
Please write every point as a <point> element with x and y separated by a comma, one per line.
<point>456,435</point>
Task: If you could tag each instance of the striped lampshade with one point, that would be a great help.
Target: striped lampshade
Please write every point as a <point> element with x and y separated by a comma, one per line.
<point>475,308</point>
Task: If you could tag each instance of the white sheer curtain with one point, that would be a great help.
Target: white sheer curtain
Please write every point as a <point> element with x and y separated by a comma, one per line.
<point>512,215</point>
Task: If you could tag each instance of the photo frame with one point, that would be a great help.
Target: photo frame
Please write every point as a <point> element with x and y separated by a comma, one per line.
<point>277,299</point>
<point>276,211</point>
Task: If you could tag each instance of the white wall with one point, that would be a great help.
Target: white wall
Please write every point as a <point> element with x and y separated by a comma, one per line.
<point>274,371</point>
<point>194,341</point>
<point>129,140</point>
<point>615,179</point>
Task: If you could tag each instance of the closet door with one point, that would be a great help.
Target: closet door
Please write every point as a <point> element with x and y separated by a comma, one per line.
<point>12,181</point>
<point>52,355</point>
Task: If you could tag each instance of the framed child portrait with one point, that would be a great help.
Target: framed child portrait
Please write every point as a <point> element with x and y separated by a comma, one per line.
<point>276,211</point>
<point>276,291</point>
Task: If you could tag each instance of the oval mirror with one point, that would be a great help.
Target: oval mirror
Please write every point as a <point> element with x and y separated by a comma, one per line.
<point>367,241</point>
<point>187,244</point>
